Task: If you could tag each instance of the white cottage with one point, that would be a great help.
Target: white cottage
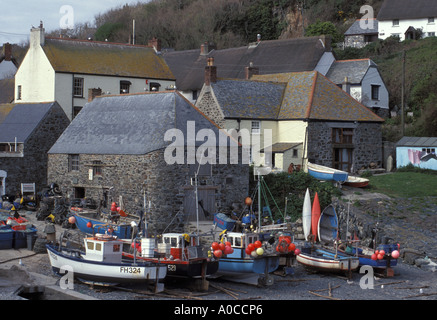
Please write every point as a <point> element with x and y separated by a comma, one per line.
<point>72,72</point>
<point>404,18</point>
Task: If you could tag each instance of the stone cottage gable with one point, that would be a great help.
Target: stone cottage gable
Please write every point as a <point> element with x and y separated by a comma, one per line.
<point>35,127</point>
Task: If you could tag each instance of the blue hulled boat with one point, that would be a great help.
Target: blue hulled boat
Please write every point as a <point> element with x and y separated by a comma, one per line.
<point>327,174</point>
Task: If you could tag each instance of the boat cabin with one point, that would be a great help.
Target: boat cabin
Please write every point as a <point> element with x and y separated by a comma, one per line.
<point>103,248</point>
<point>181,245</point>
<point>240,240</point>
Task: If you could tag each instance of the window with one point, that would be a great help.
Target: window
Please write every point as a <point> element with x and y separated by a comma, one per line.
<point>19,92</point>
<point>78,87</point>
<point>431,34</point>
<point>73,162</point>
<point>431,20</point>
<point>154,86</point>
<point>124,86</point>
<point>97,168</point>
<point>256,127</point>
<point>90,245</point>
<point>295,153</point>
<point>396,23</point>
<point>342,135</point>
<point>98,246</point>
<point>375,92</point>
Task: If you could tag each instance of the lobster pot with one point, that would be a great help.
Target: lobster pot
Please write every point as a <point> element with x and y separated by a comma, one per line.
<point>147,247</point>
<point>164,248</point>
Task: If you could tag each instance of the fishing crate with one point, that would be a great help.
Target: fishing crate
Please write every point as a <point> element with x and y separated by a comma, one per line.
<point>223,221</point>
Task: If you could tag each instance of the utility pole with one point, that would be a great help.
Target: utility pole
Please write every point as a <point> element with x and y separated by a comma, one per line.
<point>403,95</point>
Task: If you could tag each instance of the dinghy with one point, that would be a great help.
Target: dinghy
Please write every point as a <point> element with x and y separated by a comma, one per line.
<point>326,174</point>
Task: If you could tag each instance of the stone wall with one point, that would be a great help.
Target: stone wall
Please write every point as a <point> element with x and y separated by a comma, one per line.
<point>32,167</point>
<point>367,144</point>
<point>130,175</point>
<point>208,105</point>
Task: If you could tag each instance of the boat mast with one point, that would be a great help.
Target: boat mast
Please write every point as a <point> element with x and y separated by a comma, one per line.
<point>259,202</point>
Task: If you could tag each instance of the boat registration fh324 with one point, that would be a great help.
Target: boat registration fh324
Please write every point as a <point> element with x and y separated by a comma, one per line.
<point>133,270</point>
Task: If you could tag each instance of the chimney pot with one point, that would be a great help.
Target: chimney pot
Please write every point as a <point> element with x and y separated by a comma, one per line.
<point>210,72</point>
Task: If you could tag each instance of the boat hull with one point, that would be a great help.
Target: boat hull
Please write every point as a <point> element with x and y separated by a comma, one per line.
<point>326,173</point>
<point>183,269</point>
<point>366,259</point>
<point>306,214</point>
<point>100,272</point>
<point>120,230</point>
<point>238,263</point>
<point>357,182</point>
<point>315,216</point>
<point>328,225</point>
<point>327,262</point>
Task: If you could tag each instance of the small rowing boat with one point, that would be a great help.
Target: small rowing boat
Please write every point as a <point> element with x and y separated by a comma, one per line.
<point>326,174</point>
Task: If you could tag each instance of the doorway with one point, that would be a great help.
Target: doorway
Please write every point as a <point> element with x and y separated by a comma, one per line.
<point>206,197</point>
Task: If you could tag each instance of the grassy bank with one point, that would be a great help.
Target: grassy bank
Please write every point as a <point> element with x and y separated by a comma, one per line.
<point>404,184</point>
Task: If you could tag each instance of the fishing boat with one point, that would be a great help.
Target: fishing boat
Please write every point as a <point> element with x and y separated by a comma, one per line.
<point>102,262</point>
<point>94,221</point>
<point>326,174</point>
<point>250,255</point>
<point>319,259</point>
<point>306,214</point>
<point>181,253</point>
<point>315,216</point>
<point>357,182</point>
<point>328,225</point>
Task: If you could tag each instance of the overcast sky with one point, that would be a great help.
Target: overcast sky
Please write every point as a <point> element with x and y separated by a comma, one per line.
<point>17,17</point>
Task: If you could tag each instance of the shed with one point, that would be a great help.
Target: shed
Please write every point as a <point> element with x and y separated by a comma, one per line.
<point>419,151</point>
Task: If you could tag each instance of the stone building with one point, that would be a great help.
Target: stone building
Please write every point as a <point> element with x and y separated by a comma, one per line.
<point>361,33</point>
<point>27,132</point>
<point>124,149</point>
<point>308,117</point>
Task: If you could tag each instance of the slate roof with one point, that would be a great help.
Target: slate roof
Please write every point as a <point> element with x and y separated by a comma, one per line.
<point>249,99</point>
<point>306,95</point>
<point>271,56</point>
<point>354,70</point>
<point>417,142</point>
<point>355,28</point>
<point>131,124</point>
<point>7,90</point>
<point>20,120</point>
<point>102,58</point>
<point>407,9</point>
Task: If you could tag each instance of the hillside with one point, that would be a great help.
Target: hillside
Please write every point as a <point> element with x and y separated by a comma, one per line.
<point>185,24</point>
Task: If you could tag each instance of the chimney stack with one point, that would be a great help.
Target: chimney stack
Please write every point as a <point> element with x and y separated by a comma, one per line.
<point>7,51</point>
<point>210,72</point>
<point>155,43</point>
<point>37,36</point>
<point>251,70</point>
<point>92,93</point>
<point>346,86</point>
